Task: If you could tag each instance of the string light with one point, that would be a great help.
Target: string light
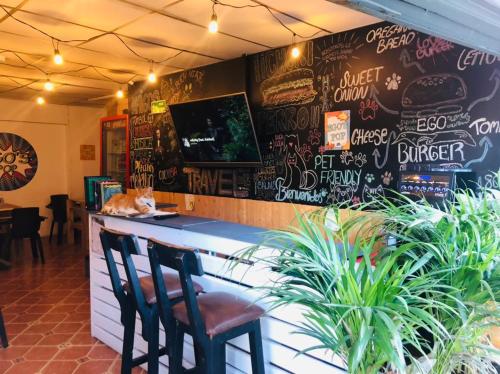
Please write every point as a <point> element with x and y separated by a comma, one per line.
<point>295,50</point>
<point>213,26</point>
<point>58,58</point>
<point>120,94</point>
<point>151,76</point>
<point>40,100</point>
<point>48,85</point>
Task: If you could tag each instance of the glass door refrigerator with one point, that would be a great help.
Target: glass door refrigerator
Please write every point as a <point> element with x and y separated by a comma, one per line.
<point>115,154</point>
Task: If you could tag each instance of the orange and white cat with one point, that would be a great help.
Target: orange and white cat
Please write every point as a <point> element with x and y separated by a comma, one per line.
<point>121,204</point>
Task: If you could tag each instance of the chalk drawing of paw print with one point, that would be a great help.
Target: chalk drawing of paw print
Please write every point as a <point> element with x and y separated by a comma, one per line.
<point>305,151</point>
<point>346,157</point>
<point>324,192</point>
<point>393,82</point>
<point>314,137</point>
<point>368,109</point>
<point>387,178</point>
<point>369,177</point>
<point>360,159</point>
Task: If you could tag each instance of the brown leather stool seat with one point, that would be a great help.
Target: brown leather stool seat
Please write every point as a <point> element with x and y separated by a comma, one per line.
<point>220,311</point>
<point>172,284</point>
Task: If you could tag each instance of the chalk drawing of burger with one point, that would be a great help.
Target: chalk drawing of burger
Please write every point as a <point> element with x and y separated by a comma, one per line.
<point>435,94</point>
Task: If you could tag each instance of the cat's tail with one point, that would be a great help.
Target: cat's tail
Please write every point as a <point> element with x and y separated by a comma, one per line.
<point>308,180</point>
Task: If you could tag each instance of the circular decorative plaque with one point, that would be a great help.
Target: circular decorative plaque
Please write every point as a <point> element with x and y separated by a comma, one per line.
<point>18,162</point>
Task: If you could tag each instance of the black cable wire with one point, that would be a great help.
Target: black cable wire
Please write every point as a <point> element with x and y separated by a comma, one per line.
<point>68,41</point>
<point>47,73</point>
<point>218,2</point>
<point>19,87</point>
<point>56,41</point>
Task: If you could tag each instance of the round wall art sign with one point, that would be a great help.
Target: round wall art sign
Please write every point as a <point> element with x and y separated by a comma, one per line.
<point>18,162</point>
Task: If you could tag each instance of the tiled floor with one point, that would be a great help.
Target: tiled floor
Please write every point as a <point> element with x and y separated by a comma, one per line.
<point>47,314</point>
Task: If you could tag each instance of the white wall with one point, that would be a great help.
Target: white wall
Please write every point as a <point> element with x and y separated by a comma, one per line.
<point>56,132</point>
<point>84,128</point>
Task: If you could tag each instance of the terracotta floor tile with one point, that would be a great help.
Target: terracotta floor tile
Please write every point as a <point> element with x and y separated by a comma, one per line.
<point>73,352</point>
<point>41,353</point>
<point>72,300</point>
<point>26,367</point>
<point>55,339</point>
<point>77,317</point>
<point>68,327</point>
<point>14,308</point>
<point>102,353</point>
<point>40,328</point>
<point>67,308</point>
<point>14,329</point>
<point>117,366</point>
<point>83,338</point>
<point>60,367</point>
<point>26,339</point>
<point>93,367</point>
<point>47,313</point>
<point>27,317</point>
<point>53,317</point>
<point>38,308</point>
<point>12,353</point>
<point>4,365</point>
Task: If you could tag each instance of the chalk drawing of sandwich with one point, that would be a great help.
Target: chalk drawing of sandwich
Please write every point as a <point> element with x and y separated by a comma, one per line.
<point>293,87</point>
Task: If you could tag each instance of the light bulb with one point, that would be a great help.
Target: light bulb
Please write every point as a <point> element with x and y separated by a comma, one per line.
<point>119,94</point>
<point>152,76</point>
<point>48,85</point>
<point>295,52</point>
<point>40,100</point>
<point>58,58</point>
<point>213,26</point>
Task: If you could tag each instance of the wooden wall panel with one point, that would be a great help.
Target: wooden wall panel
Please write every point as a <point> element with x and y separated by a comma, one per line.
<point>249,212</point>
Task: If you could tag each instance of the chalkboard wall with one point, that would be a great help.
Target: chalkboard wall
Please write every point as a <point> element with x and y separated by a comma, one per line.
<point>392,98</point>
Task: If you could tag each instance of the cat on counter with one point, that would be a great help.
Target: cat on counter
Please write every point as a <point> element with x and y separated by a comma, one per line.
<point>122,204</point>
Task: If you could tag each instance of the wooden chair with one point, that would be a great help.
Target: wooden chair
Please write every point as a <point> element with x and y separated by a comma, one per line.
<point>211,319</point>
<point>137,294</point>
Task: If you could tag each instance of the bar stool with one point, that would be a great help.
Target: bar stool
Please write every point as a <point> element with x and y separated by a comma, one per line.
<point>3,333</point>
<point>137,294</point>
<point>211,319</point>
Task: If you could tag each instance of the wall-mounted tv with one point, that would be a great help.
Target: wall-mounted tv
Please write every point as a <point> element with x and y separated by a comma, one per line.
<point>216,131</point>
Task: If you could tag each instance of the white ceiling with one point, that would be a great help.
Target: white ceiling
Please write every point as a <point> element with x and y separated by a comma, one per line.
<point>155,29</point>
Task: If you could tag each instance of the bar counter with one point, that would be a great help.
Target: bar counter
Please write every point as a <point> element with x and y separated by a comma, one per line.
<point>218,242</point>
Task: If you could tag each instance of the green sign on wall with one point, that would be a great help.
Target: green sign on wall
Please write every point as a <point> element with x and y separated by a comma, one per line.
<point>159,106</point>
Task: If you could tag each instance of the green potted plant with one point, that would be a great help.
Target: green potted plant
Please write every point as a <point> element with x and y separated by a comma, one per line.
<point>440,280</point>
<point>365,314</point>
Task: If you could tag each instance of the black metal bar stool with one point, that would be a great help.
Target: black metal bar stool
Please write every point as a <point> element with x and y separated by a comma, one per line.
<point>211,319</point>
<point>137,295</point>
<point>3,333</point>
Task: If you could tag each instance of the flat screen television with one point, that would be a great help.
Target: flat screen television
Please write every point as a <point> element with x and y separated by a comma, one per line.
<point>217,131</point>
